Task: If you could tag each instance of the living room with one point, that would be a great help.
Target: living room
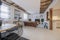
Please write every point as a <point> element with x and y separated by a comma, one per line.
<point>29,20</point>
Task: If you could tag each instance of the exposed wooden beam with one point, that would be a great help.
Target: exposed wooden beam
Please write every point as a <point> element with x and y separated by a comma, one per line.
<point>44,5</point>
<point>46,1</point>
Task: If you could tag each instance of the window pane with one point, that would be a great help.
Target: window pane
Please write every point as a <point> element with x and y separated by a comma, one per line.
<point>25,16</point>
<point>4,15</point>
<point>4,11</point>
<point>4,8</point>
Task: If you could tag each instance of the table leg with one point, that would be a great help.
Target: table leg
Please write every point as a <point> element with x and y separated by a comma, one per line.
<point>0,36</point>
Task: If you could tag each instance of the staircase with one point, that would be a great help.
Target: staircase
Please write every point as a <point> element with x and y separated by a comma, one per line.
<point>44,5</point>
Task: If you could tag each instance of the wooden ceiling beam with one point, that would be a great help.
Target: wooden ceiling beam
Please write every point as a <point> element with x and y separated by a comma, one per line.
<point>44,5</point>
<point>45,1</point>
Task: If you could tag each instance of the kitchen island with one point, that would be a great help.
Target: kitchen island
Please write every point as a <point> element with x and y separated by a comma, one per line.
<point>7,27</point>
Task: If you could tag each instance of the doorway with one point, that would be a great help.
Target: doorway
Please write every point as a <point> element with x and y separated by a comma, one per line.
<point>49,18</point>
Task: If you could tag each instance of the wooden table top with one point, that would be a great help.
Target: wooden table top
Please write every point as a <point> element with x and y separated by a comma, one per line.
<point>5,27</point>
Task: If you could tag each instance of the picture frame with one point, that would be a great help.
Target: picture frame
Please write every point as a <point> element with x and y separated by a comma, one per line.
<point>48,16</point>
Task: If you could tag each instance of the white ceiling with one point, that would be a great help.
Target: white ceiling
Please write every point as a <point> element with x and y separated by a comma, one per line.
<point>32,6</point>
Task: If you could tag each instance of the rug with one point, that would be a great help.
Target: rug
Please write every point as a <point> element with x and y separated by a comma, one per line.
<point>22,38</point>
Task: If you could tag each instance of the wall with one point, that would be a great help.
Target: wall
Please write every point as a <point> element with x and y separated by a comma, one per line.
<point>57,5</point>
<point>56,19</point>
<point>56,14</point>
<point>31,6</point>
<point>34,16</point>
<point>37,16</point>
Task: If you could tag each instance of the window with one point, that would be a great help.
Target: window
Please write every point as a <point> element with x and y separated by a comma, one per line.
<point>25,16</point>
<point>4,11</point>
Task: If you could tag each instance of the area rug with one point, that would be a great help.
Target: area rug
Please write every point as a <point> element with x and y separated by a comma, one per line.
<point>14,36</point>
<point>22,38</point>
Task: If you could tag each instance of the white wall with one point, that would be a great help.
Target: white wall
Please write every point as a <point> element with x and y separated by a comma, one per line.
<point>34,16</point>
<point>56,19</point>
<point>57,5</point>
<point>56,14</point>
<point>32,6</point>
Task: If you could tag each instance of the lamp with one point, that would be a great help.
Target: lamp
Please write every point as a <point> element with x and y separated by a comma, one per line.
<point>0,2</point>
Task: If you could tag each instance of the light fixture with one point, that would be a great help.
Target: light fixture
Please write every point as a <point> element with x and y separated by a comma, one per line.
<point>0,2</point>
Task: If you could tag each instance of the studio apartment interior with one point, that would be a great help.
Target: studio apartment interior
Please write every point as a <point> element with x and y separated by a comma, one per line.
<point>29,19</point>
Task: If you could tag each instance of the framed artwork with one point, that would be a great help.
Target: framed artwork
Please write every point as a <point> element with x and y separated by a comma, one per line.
<point>48,15</point>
